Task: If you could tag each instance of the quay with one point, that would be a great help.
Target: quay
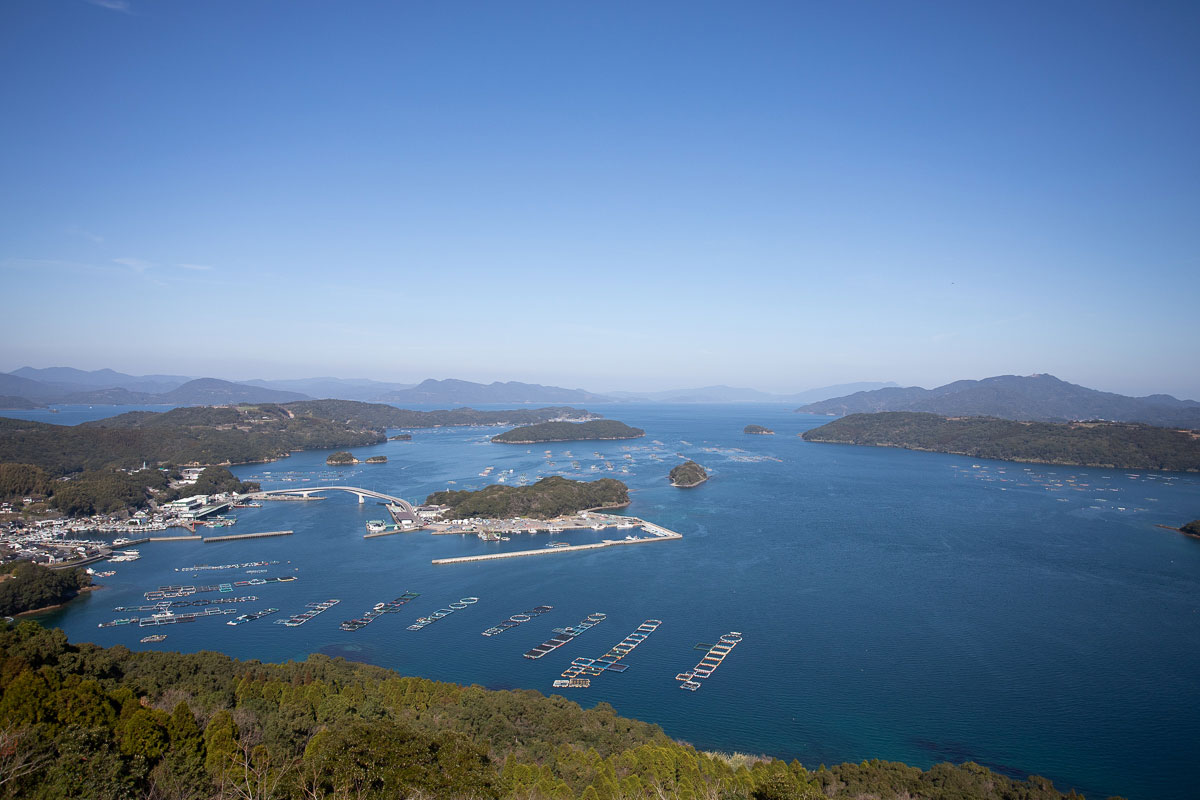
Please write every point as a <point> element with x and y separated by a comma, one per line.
<point>244,536</point>
<point>658,534</point>
<point>195,538</point>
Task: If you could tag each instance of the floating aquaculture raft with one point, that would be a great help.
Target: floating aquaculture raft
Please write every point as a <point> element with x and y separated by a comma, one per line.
<point>458,605</point>
<point>304,616</point>
<point>564,635</point>
<point>378,611</point>
<point>517,619</point>
<point>609,661</point>
<point>708,664</point>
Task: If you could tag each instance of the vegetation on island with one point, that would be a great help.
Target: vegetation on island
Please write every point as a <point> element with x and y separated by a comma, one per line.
<point>401,437</point>
<point>80,721</point>
<point>1192,528</point>
<point>25,586</point>
<point>569,432</point>
<point>377,460</point>
<point>1117,445</point>
<point>687,475</point>
<point>758,430</point>
<point>378,416</point>
<point>109,491</point>
<point>102,459</point>
<point>548,498</point>
<point>341,458</point>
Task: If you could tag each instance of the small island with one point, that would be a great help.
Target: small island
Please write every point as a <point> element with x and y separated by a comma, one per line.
<point>377,460</point>
<point>401,437</point>
<point>341,458</point>
<point>548,498</point>
<point>687,475</point>
<point>1192,528</point>
<point>758,430</point>
<point>569,432</point>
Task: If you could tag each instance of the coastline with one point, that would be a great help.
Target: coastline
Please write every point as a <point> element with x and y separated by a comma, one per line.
<point>57,606</point>
<point>552,441</point>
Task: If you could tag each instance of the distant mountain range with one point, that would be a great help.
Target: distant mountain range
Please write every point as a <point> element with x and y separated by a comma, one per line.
<point>1042,398</point>
<point>734,394</point>
<point>458,392</point>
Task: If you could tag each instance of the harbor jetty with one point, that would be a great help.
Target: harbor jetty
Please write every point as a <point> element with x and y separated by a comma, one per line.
<point>232,536</point>
<point>657,534</point>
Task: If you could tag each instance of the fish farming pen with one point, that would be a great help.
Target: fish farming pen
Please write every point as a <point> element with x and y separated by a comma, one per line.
<point>379,609</point>
<point>610,661</point>
<point>314,609</point>
<point>442,613</point>
<point>517,619</point>
<point>564,635</point>
<point>710,662</point>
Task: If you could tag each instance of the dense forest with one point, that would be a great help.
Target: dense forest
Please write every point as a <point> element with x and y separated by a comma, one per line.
<point>1091,444</point>
<point>79,721</point>
<point>687,475</point>
<point>341,457</point>
<point>548,498</point>
<point>26,587</point>
<point>229,435</point>
<point>569,432</point>
<point>108,491</point>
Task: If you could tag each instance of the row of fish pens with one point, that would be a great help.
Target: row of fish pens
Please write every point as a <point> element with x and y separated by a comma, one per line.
<point>710,662</point>
<point>390,607</point>
<point>517,619</point>
<point>458,605</point>
<point>564,635</point>
<point>314,610</point>
<point>610,660</point>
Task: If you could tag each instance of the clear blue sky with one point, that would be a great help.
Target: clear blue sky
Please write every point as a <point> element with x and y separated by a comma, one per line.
<point>614,195</point>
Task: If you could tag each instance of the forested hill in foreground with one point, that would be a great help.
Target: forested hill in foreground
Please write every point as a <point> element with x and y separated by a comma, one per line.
<point>1089,444</point>
<point>230,435</point>
<point>1042,398</point>
<point>79,721</point>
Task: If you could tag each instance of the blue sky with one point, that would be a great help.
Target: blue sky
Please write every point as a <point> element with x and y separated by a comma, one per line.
<point>618,195</point>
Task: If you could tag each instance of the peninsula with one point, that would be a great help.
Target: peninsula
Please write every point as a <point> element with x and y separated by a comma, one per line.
<point>548,498</point>
<point>687,475</point>
<point>1116,445</point>
<point>758,430</point>
<point>569,432</point>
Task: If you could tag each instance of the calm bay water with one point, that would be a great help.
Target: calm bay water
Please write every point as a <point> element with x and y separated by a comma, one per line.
<point>897,605</point>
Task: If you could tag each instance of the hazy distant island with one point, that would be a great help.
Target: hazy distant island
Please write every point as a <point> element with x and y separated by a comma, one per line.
<point>687,475</point>
<point>1038,398</point>
<point>376,460</point>
<point>758,430</point>
<point>1115,445</point>
<point>548,498</point>
<point>569,432</point>
<point>341,458</point>
<point>10,403</point>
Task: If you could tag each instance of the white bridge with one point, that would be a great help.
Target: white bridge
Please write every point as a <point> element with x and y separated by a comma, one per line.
<point>363,494</point>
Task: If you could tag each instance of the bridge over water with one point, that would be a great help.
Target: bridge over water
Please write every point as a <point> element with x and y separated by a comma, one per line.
<point>363,494</point>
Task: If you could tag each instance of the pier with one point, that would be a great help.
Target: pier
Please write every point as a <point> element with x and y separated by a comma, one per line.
<point>195,538</point>
<point>658,534</point>
<point>232,536</point>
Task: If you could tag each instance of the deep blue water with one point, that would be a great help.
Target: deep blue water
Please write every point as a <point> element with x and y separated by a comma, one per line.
<point>895,605</point>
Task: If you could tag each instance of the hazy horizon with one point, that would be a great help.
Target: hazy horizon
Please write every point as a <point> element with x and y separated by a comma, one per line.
<point>623,197</point>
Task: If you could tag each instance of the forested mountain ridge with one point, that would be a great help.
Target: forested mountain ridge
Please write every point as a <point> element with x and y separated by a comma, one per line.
<point>79,721</point>
<point>1042,398</point>
<point>1091,444</point>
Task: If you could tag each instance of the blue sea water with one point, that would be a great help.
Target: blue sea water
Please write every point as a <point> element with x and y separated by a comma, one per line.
<point>897,605</point>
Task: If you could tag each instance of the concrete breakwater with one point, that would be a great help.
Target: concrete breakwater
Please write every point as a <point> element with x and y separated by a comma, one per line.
<point>233,536</point>
<point>658,534</point>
